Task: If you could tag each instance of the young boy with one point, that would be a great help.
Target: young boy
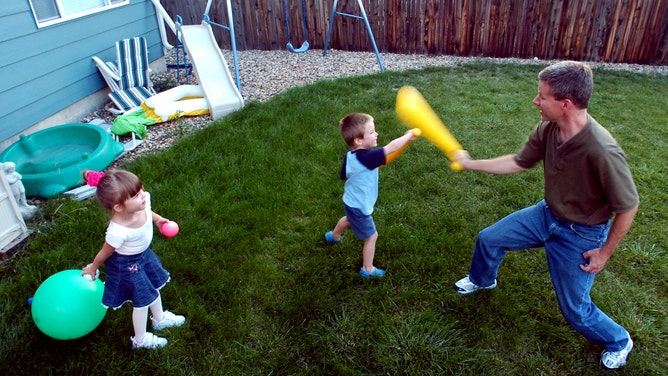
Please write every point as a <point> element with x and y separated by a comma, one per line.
<point>360,171</point>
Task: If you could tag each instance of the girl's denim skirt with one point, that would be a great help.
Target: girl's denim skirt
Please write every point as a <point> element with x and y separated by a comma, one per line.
<point>133,278</point>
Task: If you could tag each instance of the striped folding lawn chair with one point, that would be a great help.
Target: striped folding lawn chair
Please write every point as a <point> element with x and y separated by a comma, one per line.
<point>128,77</point>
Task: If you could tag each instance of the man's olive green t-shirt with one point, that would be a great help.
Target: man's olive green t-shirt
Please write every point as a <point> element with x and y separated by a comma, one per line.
<point>587,178</point>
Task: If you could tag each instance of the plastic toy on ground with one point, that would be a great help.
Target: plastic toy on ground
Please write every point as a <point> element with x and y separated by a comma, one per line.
<point>67,305</point>
<point>183,100</point>
<point>52,160</point>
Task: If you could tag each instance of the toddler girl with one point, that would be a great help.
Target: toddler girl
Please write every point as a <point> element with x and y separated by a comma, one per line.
<point>133,272</point>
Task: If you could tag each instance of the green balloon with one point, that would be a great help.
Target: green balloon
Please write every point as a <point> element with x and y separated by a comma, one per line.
<point>67,305</point>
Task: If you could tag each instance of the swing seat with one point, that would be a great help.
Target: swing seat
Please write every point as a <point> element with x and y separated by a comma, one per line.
<point>304,47</point>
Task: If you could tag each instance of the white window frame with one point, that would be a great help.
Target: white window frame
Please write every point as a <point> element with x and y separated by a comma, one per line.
<point>65,10</point>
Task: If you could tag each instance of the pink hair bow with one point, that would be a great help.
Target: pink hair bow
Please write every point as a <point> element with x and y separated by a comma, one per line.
<point>93,177</point>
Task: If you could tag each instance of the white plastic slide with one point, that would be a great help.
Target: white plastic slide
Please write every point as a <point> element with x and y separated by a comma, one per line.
<point>211,69</point>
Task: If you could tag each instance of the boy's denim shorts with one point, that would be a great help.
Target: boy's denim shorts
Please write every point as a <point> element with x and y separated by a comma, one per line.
<point>361,224</point>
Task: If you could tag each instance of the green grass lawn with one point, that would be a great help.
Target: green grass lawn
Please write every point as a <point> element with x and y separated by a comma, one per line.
<point>264,294</point>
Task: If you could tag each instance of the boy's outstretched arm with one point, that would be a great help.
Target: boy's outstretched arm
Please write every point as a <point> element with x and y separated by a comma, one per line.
<point>399,142</point>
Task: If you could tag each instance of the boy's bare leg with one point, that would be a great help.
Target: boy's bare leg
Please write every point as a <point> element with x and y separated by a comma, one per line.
<point>341,226</point>
<point>368,252</point>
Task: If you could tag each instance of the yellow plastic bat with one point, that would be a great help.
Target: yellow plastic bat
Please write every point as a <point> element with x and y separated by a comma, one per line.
<point>414,111</point>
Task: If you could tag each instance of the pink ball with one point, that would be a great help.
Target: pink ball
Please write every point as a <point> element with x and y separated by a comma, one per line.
<point>169,229</point>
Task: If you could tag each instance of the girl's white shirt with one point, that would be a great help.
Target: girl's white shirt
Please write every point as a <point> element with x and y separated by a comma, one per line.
<point>131,241</point>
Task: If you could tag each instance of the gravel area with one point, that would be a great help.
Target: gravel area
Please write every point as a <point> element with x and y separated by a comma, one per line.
<point>267,73</point>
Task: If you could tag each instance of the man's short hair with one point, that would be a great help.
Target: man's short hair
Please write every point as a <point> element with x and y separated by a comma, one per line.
<point>569,80</point>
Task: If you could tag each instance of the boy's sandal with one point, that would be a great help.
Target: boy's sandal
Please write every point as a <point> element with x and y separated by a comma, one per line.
<point>329,236</point>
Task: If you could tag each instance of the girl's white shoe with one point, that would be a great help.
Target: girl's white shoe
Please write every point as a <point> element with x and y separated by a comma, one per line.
<point>150,341</point>
<point>169,320</point>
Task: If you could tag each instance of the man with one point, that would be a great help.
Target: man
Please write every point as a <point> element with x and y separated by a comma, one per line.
<point>587,184</point>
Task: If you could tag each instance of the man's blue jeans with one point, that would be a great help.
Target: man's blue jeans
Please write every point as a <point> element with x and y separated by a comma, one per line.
<point>564,243</point>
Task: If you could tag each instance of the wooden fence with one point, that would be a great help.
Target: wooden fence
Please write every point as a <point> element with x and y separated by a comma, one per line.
<point>616,31</point>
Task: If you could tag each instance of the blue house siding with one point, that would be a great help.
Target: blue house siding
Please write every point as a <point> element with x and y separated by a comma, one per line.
<point>46,70</point>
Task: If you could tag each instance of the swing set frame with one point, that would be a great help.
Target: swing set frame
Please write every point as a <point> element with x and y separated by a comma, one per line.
<point>366,22</point>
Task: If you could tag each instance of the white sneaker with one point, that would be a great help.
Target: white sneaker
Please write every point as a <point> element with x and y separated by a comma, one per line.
<point>169,320</point>
<point>150,341</point>
<point>617,359</point>
<point>465,286</point>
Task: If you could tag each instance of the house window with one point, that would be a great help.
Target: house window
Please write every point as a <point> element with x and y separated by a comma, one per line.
<point>49,12</point>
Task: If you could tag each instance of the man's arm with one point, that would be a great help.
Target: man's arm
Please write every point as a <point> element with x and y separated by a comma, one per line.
<point>599,257</point>
<point>500,165</point>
